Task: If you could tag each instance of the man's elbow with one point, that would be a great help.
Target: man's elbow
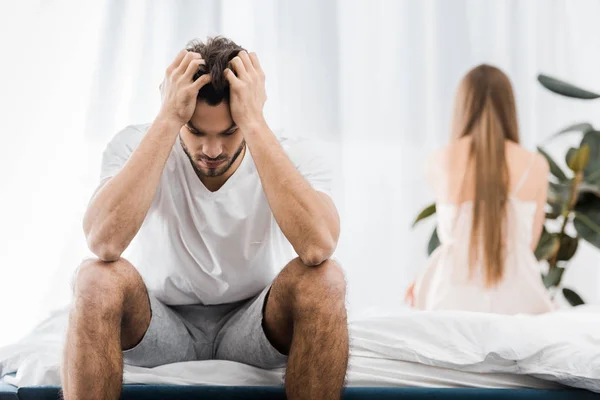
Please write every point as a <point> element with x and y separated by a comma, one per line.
<point>104,250</point>
<point>317,253</point>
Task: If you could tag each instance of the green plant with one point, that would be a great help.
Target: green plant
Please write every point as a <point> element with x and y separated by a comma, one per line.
<point>573,198</point>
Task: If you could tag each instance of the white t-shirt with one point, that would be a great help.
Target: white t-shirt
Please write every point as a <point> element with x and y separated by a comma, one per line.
<point>202,247</point>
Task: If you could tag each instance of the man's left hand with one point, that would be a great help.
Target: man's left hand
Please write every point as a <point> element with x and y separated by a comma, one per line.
<point>247,91</point>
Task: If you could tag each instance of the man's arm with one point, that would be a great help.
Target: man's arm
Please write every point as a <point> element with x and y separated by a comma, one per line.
<point>119,206</point>
<point>307,218</point>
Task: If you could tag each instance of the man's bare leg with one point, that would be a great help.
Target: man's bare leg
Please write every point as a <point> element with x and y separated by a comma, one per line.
<point>305,316</point>
<point>110,312</point>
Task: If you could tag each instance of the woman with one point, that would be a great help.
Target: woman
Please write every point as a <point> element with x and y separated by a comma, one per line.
<point>490,194</point>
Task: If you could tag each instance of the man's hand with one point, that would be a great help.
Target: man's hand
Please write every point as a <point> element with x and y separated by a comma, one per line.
<point>178,90</point>
<point>247,91</point>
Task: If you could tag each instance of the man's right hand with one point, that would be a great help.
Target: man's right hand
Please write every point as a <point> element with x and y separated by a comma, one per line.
<point>178,90</point>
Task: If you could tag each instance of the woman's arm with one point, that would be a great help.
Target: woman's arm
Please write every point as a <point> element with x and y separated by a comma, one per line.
<point>541,174</point>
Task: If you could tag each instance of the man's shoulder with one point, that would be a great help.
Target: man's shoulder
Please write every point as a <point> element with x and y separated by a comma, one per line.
<point>133,130</point>
<point>300,146</point>
<point>309,155</point>
<point>292,143</point>
<point>129,136</point>
<point>142,128</point>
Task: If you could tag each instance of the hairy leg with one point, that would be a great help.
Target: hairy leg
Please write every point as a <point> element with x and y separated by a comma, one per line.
<point>110,313</point>
<point>305,317</point>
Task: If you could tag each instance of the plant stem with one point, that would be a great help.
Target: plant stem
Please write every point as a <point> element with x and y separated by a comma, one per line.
<point>566,213</point>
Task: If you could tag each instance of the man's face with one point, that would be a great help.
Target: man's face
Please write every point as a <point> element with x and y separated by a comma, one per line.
<point>212,141</point>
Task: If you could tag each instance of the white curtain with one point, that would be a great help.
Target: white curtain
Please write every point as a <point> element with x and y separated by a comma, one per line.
<point>373,80</point>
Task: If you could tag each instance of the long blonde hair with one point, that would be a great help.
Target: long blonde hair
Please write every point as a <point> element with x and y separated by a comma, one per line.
<point>485,110</point>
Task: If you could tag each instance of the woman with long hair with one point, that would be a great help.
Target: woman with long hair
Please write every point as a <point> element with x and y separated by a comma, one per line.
<point>490,195</point>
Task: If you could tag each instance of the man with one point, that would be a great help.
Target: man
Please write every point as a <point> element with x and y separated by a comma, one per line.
<point>207,202</point>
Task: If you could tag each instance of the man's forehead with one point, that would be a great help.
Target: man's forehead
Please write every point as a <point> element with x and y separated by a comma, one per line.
<point>211,126</point>
<point>211,118</point>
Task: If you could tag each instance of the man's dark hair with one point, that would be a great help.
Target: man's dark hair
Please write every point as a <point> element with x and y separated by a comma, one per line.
<point>217,52</point>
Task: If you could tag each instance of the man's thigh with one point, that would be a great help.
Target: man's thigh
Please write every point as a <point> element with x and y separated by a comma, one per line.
<point>168,339</point>
<point>242,338</point>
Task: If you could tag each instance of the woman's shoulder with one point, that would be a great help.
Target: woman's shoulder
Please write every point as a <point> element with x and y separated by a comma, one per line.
<point>436,157</point>
<point>450,151</point>
<point>435,161</point>
<point>526,159</point>
<point>444,162</point>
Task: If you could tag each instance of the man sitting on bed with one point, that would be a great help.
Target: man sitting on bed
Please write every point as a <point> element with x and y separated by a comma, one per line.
<point>210,206</point>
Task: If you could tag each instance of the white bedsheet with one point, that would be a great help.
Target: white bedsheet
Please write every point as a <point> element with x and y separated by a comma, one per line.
<point>408,348</point>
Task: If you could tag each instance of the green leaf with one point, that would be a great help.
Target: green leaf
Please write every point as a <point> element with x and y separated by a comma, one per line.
<point>547,245</point>
<point>587,222</point>
<point>580,128</point>
<point>592,139</point>
<point>591,173</point>
<point>555,210</point>
<point>425,213</point>
<point>559,193</point>
<point>434,242</point>
<point>579,159</point>
<point>573,298</point>
<point>553,277</point>
<point>554,168</point>
<point>567,249</point>
<point>566,89</point>
<point>586,188</point>
<point>583,127</point>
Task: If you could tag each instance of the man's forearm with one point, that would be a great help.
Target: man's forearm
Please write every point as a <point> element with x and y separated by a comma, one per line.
<point>306,218</point>
<point>117,210</point>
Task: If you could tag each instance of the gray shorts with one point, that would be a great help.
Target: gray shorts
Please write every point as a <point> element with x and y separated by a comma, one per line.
<point>231,332</point>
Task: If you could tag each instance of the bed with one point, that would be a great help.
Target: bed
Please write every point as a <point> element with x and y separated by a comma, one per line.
<point>406,354</point>
<point>159,392</point>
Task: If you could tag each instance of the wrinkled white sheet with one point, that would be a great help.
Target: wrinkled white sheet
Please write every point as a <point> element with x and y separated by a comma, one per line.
<point>408,348</point>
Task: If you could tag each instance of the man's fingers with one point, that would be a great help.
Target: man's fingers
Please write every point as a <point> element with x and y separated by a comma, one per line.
<point>177,60</point>
<point>256,63</point>
<point>187,59</point>
<point>201,81</point>
<point>193,68</point>
<point>246,61</point>
<point>238,66</point>
<point>230,76</point>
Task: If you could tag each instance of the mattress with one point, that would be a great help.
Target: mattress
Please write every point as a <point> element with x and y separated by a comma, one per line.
<point>416,350</point>
<point>159,392</point>
<point>363,372</point>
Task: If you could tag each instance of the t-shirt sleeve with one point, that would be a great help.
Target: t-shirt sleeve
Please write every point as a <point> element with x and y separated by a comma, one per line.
<point>309,159</point>
<point>118,151</point>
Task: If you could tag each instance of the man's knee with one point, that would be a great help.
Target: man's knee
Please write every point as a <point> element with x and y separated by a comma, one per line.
<point>105,284</point>
<point>316,287</point>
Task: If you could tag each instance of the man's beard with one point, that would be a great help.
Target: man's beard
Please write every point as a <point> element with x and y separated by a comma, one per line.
<point>212,172</point>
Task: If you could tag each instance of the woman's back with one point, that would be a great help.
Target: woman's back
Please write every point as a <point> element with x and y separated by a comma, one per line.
<point>450,172</point>
<point>455,280</point>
